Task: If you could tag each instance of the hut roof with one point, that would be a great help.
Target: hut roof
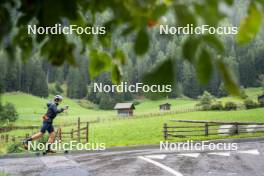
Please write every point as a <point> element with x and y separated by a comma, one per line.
<point>261,96</point>
<point>165,104</point>
<point>124,106</point>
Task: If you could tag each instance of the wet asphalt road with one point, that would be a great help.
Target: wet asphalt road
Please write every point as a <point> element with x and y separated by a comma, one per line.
<point>248,160</point>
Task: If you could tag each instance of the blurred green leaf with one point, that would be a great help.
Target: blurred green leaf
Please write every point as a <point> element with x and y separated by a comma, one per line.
<point>128,30</point>
<point>212,40</point>
<point>24,41</point>
<point>105,39</point>
<point>60,8</point>
<point>184,16</point>
<point>10,50</point>
<point>204,67</point>
<point>159,11</point>
<point>142,42</point>
<point>116,74</point>
<point>162,74</point>
<point>98,62</point>
<point>211,14</point>
<point>5,22</point>
<point>250,25</point>
<point>229,2</point>
<point>58,50</point>
<point>229,82</point>
<point>119,54</point>
<point>190,47</point>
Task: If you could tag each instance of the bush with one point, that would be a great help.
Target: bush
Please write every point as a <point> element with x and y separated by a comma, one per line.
<point>250,104</point>
<point>261,103</point>
<point>8,113</point>
<point>230,106</point>
<point>15,148</point>
<point>136,102</point>
<point>206,107</point>
<point>205,101</point>
<point>243,94</point>
<point>217,106</point>
<point>58,88</point>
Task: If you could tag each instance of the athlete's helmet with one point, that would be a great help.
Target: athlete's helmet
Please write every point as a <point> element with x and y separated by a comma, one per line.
<point>58,98</point>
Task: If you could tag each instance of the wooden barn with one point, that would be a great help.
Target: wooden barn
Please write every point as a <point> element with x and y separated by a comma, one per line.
<point>124,109</point>
<point>165,107</point>
<point>261,98</point>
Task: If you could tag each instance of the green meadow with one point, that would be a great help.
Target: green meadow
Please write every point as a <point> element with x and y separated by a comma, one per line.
<point>130,131</point>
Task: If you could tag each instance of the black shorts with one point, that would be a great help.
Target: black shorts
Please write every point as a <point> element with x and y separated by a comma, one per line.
<point>47,126</point>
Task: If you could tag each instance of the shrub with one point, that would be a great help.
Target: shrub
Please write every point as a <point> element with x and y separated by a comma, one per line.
<point>136,102</point>
<point>217,106</point>
<point>261,103</point>
<point>243,94</point>
<point>14,148</point>
<point>8,113</point>
<point>250,104</point>
<point>58,88</point>
<point>230,106</point>
<point>206,101</point>
<point>206,107</point>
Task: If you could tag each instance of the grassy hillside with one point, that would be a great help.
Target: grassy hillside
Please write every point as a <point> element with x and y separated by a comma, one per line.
<point>128,131</point>
<point>31,108</point>
<point>252,94</point>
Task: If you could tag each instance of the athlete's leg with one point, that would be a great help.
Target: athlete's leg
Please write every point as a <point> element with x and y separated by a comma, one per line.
<point>51,138</point>
<point>37,136</point>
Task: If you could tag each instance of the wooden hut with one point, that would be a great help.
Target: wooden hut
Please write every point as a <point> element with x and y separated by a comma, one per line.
<point>261,98</point>
<point>124,109</point>
<point>165,107</point>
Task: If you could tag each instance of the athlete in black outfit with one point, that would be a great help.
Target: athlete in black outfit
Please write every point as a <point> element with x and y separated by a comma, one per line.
<point>47,122</point>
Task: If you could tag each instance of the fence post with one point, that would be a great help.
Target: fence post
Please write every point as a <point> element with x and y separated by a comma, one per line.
<point>165,130</point>
<point>59,135</point>
<point>71,134</point>
<point>79,129</point>
<point>6,138</point>
<point>87,132</point>
<point>206,129</point>
<point>236,129</point>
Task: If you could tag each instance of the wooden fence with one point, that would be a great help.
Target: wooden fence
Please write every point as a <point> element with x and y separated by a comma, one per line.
<point>149,115</point>
<point>78,133</point>
<point>12,127</point>
<point>190,128</point>
<point>81,132</point>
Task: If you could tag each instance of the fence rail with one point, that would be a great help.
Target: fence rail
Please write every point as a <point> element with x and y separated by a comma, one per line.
<point>81,132</point>
<point>11,127</point>
<point>189,128</point>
